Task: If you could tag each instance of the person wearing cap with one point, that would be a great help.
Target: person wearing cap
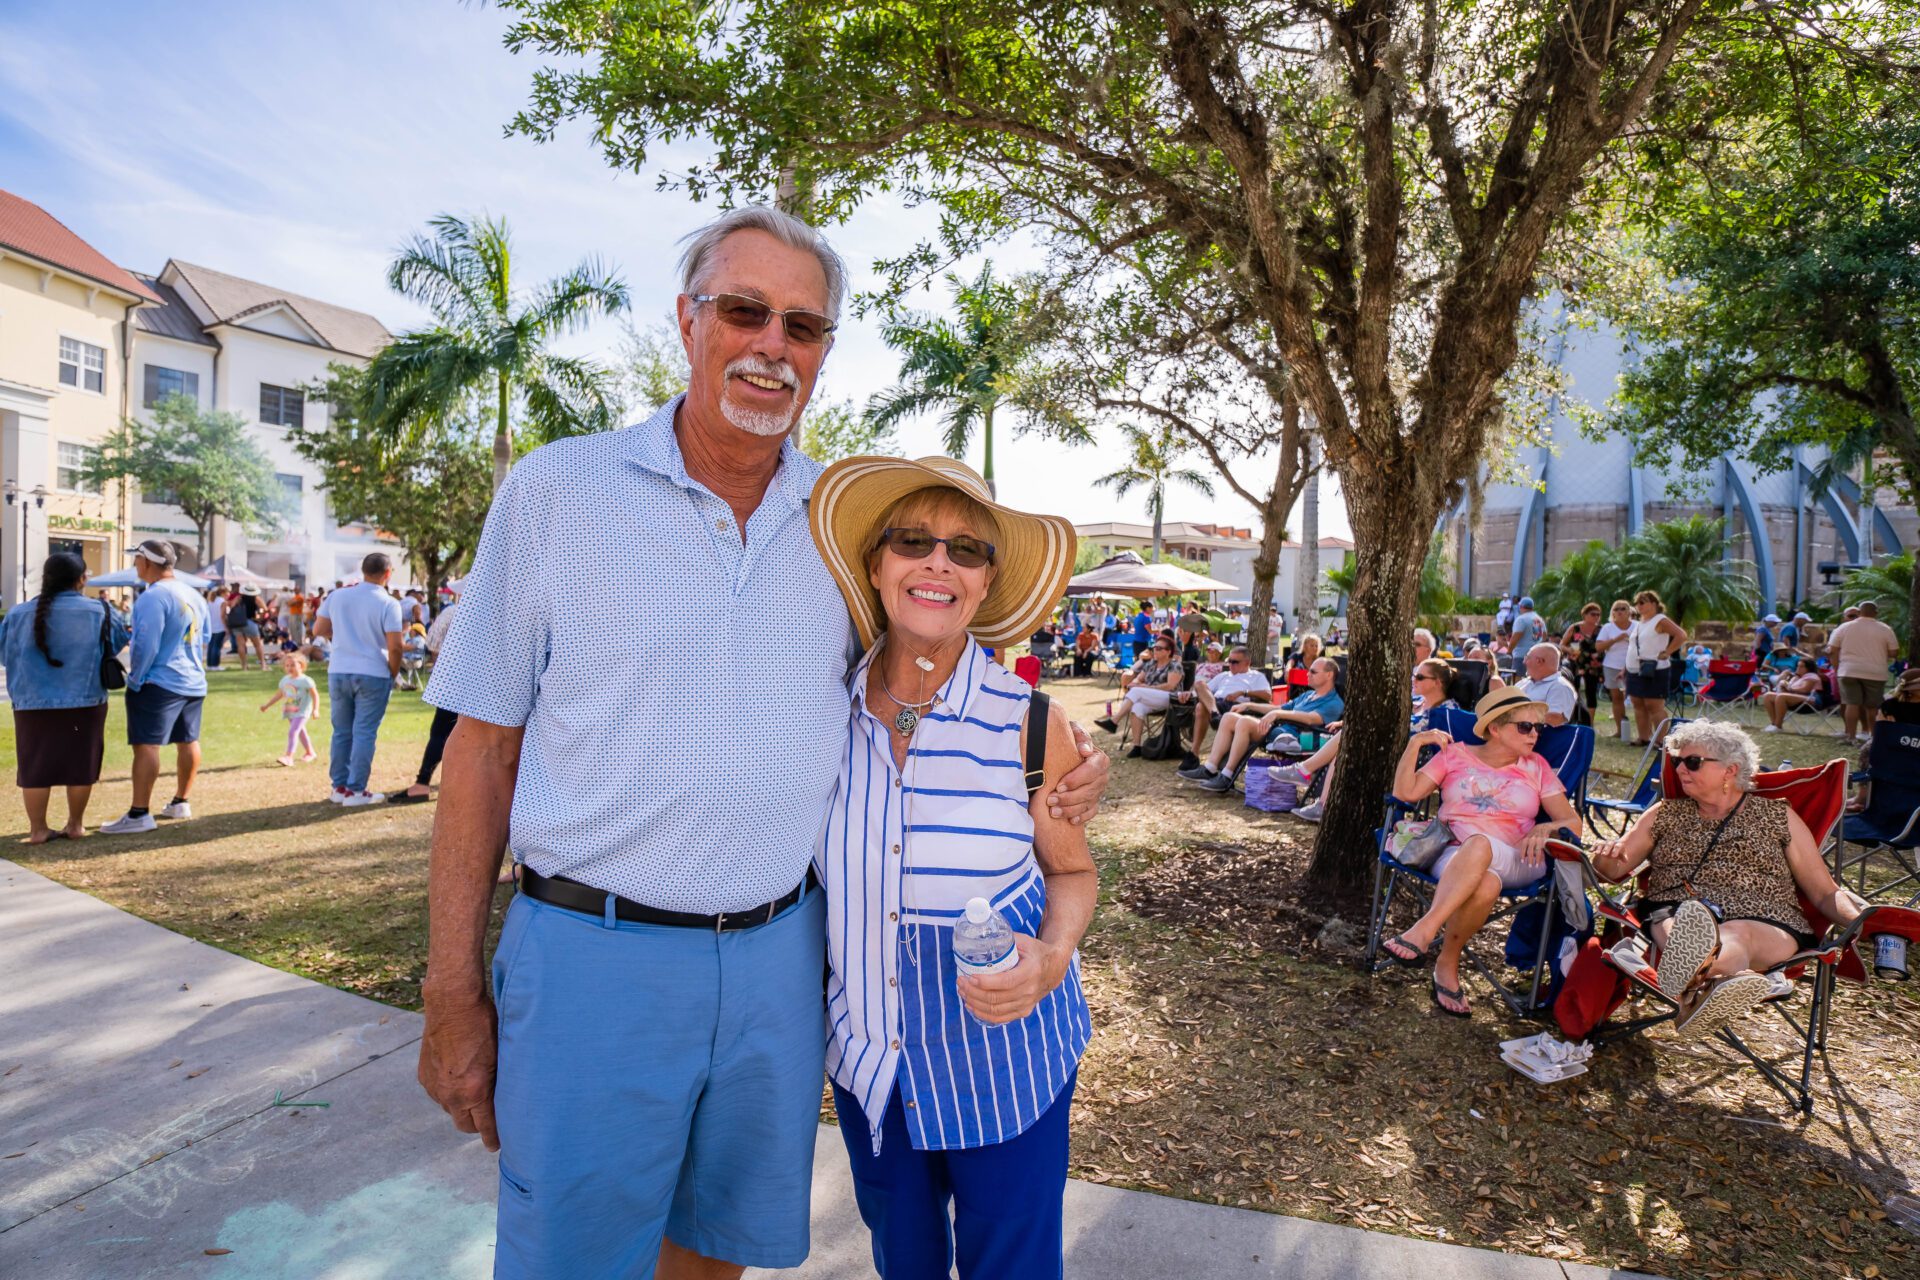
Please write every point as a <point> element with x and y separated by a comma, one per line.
<point>1790,630</point>
<point>1529,628</point>
<point>166,686</point>
<point>1492,796</point>
<point>952,1090</point>
<point>648,1060</point>
<point>1763,639</point>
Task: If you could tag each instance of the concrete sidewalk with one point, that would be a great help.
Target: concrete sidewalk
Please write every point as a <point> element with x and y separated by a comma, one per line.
<point>138,1129</point>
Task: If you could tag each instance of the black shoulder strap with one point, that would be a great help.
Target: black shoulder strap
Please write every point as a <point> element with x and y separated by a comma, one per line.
<point>106,624</point>
<point>1039,708</point>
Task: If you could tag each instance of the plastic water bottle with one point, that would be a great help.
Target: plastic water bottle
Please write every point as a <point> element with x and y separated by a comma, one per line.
<point>983,941</point>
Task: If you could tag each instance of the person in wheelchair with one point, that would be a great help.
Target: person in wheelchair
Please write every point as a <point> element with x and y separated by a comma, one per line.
<point>1725,872</point>
<point>1491,798</point>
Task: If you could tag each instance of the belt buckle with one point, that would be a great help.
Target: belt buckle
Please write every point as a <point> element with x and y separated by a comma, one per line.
<point>719,922</point>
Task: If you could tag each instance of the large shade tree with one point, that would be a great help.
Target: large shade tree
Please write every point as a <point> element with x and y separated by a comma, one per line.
<point>489,338</point>
<point>1373,186</point>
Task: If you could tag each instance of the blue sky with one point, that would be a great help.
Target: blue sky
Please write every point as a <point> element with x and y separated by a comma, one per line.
<point>300,143</point>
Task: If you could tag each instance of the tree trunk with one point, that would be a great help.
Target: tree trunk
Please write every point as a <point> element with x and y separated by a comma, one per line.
<point>1159,509</point>
<point>502,440</point>
<point>1390,530</point>
<point>986,437</point>
<point>1288,477</point>
<point>1306,583</point>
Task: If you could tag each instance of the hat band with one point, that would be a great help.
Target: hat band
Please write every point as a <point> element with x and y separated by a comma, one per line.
<point>1513,699</point>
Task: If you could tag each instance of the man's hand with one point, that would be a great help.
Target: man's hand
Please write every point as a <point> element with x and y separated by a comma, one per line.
<point>457,1059</point>
<point>1077,798</point>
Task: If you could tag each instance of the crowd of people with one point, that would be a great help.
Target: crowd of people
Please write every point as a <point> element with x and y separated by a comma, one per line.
<point>65,652</point>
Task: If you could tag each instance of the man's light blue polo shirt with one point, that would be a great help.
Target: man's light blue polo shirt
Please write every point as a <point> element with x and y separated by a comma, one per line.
<point>684,695</point>
<point>363,615</point>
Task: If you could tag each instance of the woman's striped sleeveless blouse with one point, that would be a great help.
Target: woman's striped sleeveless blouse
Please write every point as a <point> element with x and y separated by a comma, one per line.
<point>901,855</point>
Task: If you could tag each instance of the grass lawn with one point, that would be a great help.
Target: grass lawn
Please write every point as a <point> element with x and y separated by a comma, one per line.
<point>1237,1058</point>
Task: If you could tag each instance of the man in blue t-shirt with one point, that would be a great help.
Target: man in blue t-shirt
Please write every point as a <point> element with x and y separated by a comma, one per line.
<point>1529,628</point>
<point>362,623</point>
<point>166,685</point>
<point>1315,709</point>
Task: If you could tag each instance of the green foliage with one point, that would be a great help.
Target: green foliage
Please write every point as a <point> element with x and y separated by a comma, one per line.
<point>1888,584</point>
<point>1153,462</point>
<point>1087,555</point>
<point>1684,561</point>
<point>963,367</point>
<point>431,490</point>
<point>834,429</point>
<point>650,369</point>
<point>1596,573</point>
<point>204,462</point>
<point>490,340</point>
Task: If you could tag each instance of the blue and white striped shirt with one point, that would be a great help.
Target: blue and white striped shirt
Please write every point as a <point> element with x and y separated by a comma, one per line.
<point>901,856</point>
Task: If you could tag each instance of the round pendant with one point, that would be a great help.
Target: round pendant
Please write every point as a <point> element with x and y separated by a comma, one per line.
<point>906,720</point>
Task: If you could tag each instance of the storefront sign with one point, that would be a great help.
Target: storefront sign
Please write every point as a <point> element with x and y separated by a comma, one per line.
<point>82,522</point>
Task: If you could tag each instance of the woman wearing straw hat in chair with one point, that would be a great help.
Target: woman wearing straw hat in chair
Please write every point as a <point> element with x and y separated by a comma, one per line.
<point>1490,796</point>
<point>952,1090</point>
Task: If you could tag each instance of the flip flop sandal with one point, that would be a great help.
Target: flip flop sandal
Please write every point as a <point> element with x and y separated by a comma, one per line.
<point>1418,959</point>
<point>1692,942</point>
<point>1435,990</point>
<point>1725,1002</point>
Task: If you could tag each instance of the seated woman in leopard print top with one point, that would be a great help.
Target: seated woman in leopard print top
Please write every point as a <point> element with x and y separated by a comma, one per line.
<point>1725,874</point>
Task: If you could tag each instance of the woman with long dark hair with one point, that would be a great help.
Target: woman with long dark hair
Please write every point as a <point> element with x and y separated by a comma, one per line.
<point>52,650</point>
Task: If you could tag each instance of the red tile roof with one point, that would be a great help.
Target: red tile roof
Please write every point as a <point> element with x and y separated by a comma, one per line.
<point>31,230</point>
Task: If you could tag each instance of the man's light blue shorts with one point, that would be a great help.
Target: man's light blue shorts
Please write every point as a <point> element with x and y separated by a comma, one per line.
<point>655,1080</point>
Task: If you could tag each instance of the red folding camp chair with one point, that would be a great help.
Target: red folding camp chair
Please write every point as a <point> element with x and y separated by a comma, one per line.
<point>1818,795</point>
<point>1730,685</point>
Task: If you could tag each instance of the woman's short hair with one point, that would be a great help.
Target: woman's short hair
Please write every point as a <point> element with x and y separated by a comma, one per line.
<point>1721,741</point>
<point>936,502</point>
<point>1621,604</point>
<point>1807,664</point>
<point>1591,606</point>
<point>1907,688</point>
<point>1654,596</point>
<point>1300,642</point>
<point>1438,668</point>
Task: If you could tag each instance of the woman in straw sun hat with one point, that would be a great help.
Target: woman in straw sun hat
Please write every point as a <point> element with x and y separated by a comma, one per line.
<point>952,1090</point>
<point>1491,797</point>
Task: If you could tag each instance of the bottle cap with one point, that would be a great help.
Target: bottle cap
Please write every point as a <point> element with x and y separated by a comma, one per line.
<point>978,909</point>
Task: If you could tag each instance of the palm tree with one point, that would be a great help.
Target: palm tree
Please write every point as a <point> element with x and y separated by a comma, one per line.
<point>960,366</point>
<point>1684,562</point>
<point>1155,462</point>
<point>1890,585</point>
<point>1593,573</point>
<point>488,339</point>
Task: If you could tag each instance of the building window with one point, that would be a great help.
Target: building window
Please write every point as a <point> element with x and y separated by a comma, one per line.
<point>74,460</point>
<point>83,365</point>
<point>292,490</point>
<point>281,406</point>
<point>161,383</point>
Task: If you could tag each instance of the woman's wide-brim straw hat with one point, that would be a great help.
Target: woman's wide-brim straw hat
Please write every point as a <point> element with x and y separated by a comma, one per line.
<point>1033,555</point>
<point>1501,703</point>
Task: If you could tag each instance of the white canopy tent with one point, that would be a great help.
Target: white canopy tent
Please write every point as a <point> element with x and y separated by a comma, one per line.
<point>1127,575</point>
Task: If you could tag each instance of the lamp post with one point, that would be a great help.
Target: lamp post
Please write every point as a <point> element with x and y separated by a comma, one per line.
<point>14,493</point>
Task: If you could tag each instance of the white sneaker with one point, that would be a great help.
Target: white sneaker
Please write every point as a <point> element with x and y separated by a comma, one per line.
<point>178,809</point>
<point>1863,737</point>
<point>1769,728</point>
<point>338,795</point>
<point>355,799</point>
<point>127,825</point>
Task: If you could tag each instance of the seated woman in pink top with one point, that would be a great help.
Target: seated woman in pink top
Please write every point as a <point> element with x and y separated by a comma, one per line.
<point>1491,798</point>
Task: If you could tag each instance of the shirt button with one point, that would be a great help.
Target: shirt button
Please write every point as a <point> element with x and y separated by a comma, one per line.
<point>896,1044</point>
<point>893,982</point>
<point>893,915</point>
<point>909,1104</point>
<point>896,848</point>
<point>720,525</point>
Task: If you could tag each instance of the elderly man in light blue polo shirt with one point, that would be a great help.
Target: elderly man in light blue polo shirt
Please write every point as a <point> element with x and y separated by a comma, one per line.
<point>654,1080</point>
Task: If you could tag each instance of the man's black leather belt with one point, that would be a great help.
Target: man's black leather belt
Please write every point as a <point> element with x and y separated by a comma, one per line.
<point>559,891</point>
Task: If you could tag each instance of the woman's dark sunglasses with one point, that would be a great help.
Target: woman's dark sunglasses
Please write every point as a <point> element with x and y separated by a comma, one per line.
<point>1692,763</point>
<point>917,544</point>
<point>742,312</point>
<point>1528,726</point>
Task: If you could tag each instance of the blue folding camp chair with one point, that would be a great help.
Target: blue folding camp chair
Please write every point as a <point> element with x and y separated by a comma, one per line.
<point>1729,687</point>
<point>1609,819</point>
<point>1569,750</point>
<point>1890,826</point>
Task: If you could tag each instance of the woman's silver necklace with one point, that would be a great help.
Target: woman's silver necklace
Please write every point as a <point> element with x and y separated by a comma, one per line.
<point>908,716</point>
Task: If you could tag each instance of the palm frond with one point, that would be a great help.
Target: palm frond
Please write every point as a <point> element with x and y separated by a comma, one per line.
<point>567,396</point>
<point>568,303</point>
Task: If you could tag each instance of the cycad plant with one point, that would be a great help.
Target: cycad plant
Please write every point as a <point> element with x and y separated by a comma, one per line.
<point>489,339</point>
<point>1153,462</point>
<point>1685,562</point>
<point>1593,573</point>
<point>1888,584</point>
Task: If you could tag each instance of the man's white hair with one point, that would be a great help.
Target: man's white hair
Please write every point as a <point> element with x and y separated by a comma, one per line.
<point>1421,633</point>
<point>701,245</point>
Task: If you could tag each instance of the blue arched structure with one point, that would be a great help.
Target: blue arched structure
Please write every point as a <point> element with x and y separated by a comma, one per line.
<point>1739,493</point>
